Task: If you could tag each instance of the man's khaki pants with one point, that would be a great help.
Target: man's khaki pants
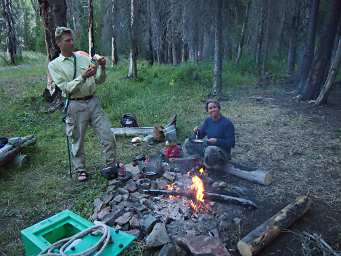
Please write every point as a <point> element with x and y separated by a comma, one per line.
<point>80,114</point>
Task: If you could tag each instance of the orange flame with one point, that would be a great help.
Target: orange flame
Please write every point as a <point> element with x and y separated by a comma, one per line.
<point>201,170</point>
<point>198,188</point>
<point>172,187</point>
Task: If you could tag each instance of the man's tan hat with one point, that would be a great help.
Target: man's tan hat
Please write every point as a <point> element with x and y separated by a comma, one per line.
<point>60,30</point>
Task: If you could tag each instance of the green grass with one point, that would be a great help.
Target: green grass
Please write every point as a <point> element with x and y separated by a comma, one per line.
<point>43,187</point>
<point>27,57</point>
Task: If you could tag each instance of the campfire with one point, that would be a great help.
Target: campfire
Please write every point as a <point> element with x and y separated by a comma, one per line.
<point>196,191</point>
<point>180,202</point>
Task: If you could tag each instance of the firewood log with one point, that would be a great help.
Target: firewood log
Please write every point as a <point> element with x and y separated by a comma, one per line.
<point>207,195</point>
<point>258,238</point>
<point>256,176</point>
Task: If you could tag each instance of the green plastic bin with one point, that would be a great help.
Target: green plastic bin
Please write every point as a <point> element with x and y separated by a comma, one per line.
<point>65,224</point>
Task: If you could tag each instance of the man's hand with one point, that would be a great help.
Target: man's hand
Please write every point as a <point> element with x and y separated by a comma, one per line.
<point>102,61</point>
<point>212,141</point>
<point>89,72</point>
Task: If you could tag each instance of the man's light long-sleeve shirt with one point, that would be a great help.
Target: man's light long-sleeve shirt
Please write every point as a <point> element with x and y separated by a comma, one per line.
<point>62,70</point>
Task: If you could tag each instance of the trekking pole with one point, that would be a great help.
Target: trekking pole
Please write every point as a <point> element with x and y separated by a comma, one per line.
<point>67,137</point>
<point>69,154</point>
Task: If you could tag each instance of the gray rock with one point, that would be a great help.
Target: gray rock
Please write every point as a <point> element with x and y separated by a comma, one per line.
<point>140,207</point>
<point>93,217</point>
<point>214,233</point>
<point>169,176</point>
<point>110,218</point>
<point>135,232</point>
<point>134,170</point>
<point>136,197</point>
<point>125,197</point>
<point>107,198</point>
<point>237,220</point>
<point>219,185</point>
<point>113,182</point>
<point>134,222</point>
<point>111,188</point>
<point>162,184</point>
<point>158,236</point>
<point>131,186</point>
<point>203,246</point>
<point>117,199</point>
<point>98,205</point>
<point>147,203</point>
<point>122,191</point>
<point>180,251</point>
<point>101,214</point>
<point>154,184</point>
<point>144,183</point>
<point>168,250</point>
<point>123,219</point>
<point>125,227</point>
<point>148,223</point>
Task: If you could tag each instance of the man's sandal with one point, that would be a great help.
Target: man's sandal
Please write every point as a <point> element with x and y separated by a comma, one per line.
<point>82,176</point>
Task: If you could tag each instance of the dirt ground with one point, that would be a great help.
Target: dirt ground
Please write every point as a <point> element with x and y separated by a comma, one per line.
<point>300,144</point>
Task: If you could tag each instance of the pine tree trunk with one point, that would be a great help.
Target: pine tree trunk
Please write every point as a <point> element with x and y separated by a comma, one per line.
<point>308,54</point>
<point>53,13</point>
<point>322,98</point>
<point>10,25</point>
<point>292,51</point>
<point>260,37</point>
<point>114,55</point>
<point>184,52</point>
<point>218,61</point>
<point>173,33</point>
<point>321,62</point>
<point>150,35</point>
<point>242,33</point>
<point>266,37</point>
<point>282,35</point>
<point>91,28</point>
<point>133,47</point>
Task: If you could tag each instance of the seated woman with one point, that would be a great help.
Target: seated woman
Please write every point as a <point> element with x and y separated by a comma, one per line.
<point>217,133</point>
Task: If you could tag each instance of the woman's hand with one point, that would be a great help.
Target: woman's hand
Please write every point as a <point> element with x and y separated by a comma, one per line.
<point>212,141</point>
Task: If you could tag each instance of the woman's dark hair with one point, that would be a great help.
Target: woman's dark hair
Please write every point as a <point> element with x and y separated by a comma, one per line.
<point>211,101</point>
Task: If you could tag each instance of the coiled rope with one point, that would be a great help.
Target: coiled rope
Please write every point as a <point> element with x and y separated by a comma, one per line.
<point>97,248</point>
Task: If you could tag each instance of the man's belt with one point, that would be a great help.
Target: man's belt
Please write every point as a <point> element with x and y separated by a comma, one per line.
<point>83,98</point>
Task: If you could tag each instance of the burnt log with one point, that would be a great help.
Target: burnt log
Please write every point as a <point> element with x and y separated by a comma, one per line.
<point>258,238</point>
<point>9,152</point>
<point>207,195</point>
<point>255,176</point>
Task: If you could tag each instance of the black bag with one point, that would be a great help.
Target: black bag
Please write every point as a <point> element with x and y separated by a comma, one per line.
<point>3,141</point>
<point>129,120</point>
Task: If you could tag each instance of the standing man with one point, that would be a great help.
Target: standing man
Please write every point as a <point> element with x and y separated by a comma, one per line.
<point>78,77</point>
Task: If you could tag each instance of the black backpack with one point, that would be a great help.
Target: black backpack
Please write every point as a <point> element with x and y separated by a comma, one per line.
<point>129,120</point>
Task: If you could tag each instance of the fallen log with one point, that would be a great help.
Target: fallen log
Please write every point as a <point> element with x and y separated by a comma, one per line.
<point>132,131</point>
<point>258,238</point>
<point>207,195</point>
<point>11,151</point>
<point>256,176</point>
